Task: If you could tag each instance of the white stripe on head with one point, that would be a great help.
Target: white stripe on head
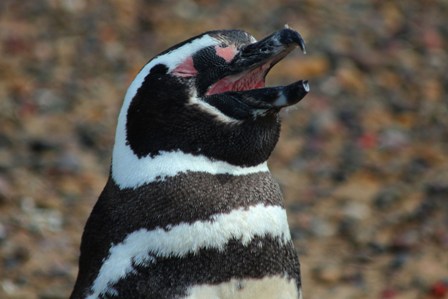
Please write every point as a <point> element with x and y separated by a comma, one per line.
<point>142,246</point>
<point>171,60</point>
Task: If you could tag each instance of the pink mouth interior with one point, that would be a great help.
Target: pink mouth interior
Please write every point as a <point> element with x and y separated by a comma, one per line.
<point>252,79</point>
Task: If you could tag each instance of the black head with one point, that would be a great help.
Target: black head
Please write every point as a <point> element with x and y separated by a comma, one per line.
<point>207,97</point>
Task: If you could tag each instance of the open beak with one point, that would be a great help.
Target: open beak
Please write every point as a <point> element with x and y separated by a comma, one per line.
<point>249,67</point>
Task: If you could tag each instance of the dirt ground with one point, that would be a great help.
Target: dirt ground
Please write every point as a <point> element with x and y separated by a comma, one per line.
<point>362,160</point>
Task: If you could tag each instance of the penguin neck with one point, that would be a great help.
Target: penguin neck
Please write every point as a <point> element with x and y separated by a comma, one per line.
<point>130,171</point>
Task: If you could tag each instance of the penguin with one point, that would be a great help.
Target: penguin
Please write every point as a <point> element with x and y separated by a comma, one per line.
<point>190,209</point>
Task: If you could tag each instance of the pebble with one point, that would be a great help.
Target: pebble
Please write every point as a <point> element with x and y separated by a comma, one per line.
<point>437,190</point>
<point>40,146</point>
<point>398,261</point>
<point>439,289</point>
<point>405,241</point>
<point>3,233</point>
<point>5,190</point>
<point>328,274</point>
<point>322,228</point>
<point>356,210</point>
<point>389,293</point>
<point>393,139</point>
<point>387,197</point>
<point>415,169</point>
<point>8,286</point>
<point>41,220</point>
<point>67,163</point>
<point>56,293</point>
<point>16,257</point>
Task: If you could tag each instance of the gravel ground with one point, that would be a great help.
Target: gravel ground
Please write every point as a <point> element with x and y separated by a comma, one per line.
<point>362,160</point>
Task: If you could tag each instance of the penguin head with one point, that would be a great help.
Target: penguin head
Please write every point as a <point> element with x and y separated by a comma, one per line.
<point>207,97</point>
<point>233,61</point>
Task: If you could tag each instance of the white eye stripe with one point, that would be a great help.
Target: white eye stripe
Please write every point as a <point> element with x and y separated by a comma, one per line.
<point>171,59</point>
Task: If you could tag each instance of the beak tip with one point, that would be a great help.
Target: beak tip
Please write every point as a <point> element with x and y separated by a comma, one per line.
<point>290,36</point>
<point>302,47</point>
<point>306,85</point>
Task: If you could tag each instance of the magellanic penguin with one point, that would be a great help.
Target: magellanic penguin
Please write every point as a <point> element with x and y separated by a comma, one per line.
<point>190,209</point>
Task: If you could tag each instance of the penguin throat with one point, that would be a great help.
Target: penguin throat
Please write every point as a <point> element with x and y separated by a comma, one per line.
<point>247,80</point>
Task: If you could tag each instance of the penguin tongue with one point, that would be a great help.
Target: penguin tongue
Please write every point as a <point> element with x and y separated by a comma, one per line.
<point>252,79</point>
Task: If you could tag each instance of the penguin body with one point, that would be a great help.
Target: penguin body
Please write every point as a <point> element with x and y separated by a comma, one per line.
<point>190,209</point>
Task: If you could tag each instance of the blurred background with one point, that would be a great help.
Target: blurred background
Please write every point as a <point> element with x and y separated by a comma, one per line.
<point>362,160</point>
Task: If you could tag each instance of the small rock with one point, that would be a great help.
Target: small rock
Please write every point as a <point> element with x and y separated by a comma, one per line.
<point>14,291</point>
<point>3,233</point>
<point>356,210</point>
<point>327,273</point>
<point>350,119</point>
<point>56,293</point>
<point>322,228</point>
<point>17,257</point>
<point>39,146</point>
<point>437,190</point>
<point>439,289</point>
<point>405,242</point>
<point>387,197</point>
<point>392,139</point>
<point>415,169</point>
<point>398,261</point>
<point>41,219</point>
<point>67,163</point>
<point>5,190</point>
<point>388,293</point>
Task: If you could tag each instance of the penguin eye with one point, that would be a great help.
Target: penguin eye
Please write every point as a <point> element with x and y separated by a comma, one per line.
<point>159,69</point>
